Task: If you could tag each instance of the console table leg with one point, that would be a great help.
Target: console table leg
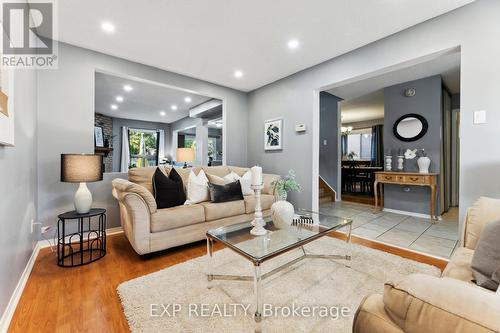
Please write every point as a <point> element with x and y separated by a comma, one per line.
<point>375,185</point>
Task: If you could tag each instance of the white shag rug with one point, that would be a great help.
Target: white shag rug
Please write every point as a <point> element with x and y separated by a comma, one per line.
<point>149,301</point>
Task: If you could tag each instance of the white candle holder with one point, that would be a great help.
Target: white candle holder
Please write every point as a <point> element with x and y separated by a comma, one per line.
<point>258,222</point>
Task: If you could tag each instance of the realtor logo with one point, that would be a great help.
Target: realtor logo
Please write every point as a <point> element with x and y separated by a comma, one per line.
<point>28,35</point>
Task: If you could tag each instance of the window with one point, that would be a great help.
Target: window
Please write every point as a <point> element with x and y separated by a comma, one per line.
<point>359,144</point>
<point>143,146</point>
<point>189,141</point>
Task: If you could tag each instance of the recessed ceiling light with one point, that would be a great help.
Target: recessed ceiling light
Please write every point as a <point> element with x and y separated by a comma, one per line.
<point>174,107</point>
<point>128,88</point>
<point>293,44</point>
<point>108,27</point>
<point>187,99</point>
<point>114,107</point>
<point>238,74</point>
<point>162,113</point>
<point>119,99</point>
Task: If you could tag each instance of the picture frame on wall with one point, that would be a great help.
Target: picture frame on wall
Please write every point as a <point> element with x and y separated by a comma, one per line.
<point>98,136</point>
<point>273,134</point>
<point>7,107</point>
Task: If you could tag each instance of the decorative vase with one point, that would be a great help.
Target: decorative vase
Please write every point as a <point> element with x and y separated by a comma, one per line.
<point>388,163</point>
<point>423,164</point>
<point>400,163</point>
<point>282,213</point>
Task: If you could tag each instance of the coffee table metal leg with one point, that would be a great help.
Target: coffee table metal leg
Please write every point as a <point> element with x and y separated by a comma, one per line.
<point>210,255</point>
<point>258,293</point>
<point>348,241</point>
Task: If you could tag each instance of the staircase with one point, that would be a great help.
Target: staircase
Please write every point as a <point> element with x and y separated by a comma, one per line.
<point>326,194</point>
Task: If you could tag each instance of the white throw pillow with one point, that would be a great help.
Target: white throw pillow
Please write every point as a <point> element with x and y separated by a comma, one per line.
<point>197,188</point>
<point>245,181</point>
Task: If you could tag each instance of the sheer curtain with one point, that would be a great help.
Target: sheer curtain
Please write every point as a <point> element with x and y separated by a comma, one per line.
<point>161,146</point>
<point>125,154</point>
<point>343,145</point>
<point>377,145</point>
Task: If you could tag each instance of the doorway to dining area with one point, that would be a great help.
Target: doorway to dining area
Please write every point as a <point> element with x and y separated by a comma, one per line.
<point>402,126</point>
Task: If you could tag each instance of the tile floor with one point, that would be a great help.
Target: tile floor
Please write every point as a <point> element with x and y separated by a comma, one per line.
<point>439,239</point>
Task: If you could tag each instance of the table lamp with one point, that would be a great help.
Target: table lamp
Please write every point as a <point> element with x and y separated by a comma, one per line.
<point>185,155</point>
<point>81,168</point>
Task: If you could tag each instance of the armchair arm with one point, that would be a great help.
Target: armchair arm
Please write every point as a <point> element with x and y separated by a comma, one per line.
<point>136,206</point>
<point>424,303</point>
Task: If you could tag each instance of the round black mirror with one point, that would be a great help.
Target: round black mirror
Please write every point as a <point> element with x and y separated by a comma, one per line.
<point>410,127</point>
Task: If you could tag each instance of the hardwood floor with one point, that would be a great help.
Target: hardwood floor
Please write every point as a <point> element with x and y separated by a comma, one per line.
<point>84,299</point>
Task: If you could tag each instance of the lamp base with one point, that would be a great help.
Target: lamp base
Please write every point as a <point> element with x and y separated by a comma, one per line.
<point>83,199</point>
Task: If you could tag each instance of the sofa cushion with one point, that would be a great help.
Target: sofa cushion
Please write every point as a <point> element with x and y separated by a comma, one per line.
<point>215,211</point>
<point>459,267</point>
<point>486,258</point>
<point>184,173</point>
<point>220,170</point>
<point>237,170</point>
<point>176,217</point>
<point>144,176</point>
<point>197,188</point>
<point>266,201</point>
<point>168,191</point>
<point>483,211</point>
<point>224,193</point>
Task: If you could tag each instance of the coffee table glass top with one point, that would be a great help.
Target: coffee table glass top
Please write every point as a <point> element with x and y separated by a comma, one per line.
<point>280,238</point>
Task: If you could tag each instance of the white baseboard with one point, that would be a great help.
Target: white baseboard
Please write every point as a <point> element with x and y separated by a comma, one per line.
<point>403,212</point>
<point>18,291</point>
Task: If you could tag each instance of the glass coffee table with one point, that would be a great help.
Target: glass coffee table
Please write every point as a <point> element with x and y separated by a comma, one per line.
<point>280,239</point>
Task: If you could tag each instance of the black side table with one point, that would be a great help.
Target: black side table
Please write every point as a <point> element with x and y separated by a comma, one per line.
<point>84,243</point>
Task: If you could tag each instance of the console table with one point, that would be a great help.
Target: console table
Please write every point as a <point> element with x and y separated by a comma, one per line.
<point>407,178</point>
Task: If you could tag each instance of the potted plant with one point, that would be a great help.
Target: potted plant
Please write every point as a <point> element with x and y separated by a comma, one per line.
<point>286,184</point>
<point>282,211</point>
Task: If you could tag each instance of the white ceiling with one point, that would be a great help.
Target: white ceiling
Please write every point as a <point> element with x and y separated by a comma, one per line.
<point>211,39</point>
<point>144,102</point>
<point>364,100</point>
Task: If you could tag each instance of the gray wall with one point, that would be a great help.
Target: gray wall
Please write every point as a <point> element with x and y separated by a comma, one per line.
<point>294,97</point>
<point>328,131</point>
<point>118,123</point>
<point>426,102</point>
<point>66,118</point>
<point>18,186</point>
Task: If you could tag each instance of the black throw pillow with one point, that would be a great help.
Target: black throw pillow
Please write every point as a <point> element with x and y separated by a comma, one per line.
<point>226,192</point>
<point>168,191</point>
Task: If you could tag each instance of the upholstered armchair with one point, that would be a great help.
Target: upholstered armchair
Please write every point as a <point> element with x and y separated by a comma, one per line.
<point>451,303</point>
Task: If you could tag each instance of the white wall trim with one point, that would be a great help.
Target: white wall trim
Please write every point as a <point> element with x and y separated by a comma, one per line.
<point>403,212</point>
<point>315,152</point>
<point>18,291</point>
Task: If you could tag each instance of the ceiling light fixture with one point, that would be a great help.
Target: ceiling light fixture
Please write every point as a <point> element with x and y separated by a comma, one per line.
<point>108,27</point>
<point>187,99</point>
<point>162,113</point>
<point>128,88</point>
<point>114,107</point>
<point>293,44</point>
<point>119,99</point>
<point>174,107</point>
<point>238,74</point>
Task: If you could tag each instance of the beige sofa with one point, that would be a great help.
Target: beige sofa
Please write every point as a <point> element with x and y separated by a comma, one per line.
<point>427,304</point>
<point>150,229</point>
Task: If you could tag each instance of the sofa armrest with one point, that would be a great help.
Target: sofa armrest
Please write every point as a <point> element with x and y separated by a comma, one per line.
<point>269,181</point>
<point>123,186</point>
<point>424,303</point>
<point>136,206</point>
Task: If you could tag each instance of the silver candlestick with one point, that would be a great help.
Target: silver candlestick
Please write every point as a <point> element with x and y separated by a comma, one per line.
<point>258,222</point>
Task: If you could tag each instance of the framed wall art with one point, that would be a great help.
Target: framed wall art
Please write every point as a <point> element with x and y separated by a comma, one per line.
<point>273,134</point>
